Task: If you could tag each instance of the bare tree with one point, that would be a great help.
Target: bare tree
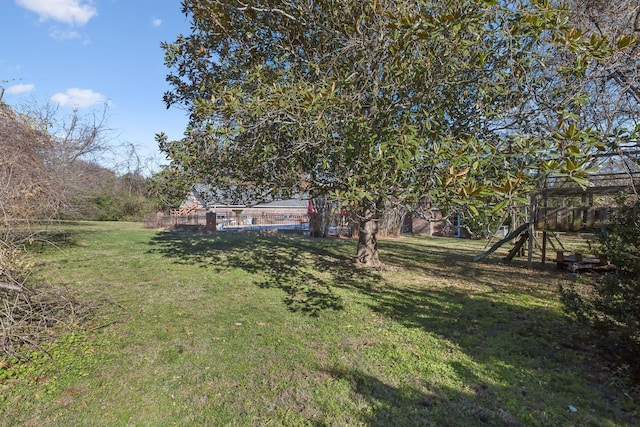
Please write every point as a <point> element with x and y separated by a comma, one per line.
<point>43,156</point>
<point>42,167</point>
<point>614,108</point>
<point>615,83</point>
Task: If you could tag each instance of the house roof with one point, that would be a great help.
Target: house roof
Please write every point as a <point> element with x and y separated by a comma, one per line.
<point>216,199</point>
<point>290,203</point>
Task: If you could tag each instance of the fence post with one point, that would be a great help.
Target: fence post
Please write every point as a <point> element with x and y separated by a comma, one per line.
<point>211,222</point>
<point>532,228</point>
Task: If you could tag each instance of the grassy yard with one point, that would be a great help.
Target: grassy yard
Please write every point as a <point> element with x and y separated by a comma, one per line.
<point>247,330</point>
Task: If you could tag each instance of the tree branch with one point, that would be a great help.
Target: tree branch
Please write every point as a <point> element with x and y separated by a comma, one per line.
<point>246,7</point>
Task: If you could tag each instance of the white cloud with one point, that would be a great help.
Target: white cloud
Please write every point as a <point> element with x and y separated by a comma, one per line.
<point>61,35</point>
<point>156,22</point>
<point>74,12</point>
<point>17,89</point>
<point>78,98</point>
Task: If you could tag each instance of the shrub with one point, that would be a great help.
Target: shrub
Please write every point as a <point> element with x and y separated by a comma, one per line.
<point>612,306</point>
<point>29,311</point>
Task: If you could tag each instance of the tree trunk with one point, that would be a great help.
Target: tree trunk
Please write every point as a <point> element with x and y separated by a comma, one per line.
<point>367,254</point>
<point>320,218</point>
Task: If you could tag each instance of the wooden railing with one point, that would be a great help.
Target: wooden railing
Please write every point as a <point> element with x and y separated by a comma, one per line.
<point>186,210</point>
<point>585,219</point>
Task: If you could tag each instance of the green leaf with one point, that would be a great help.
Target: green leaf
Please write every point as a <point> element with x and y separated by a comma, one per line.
<point>624,41</point>
<point>582,182</point>
<point>573,149</point>
<point>500,206</point>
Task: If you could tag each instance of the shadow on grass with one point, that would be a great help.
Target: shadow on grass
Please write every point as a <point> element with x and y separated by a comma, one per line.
<point>305,270</point>
<point>521,366</point>
<point>54,239</point>
<point>496,315</point>
<point>405,405</point>
<point>308,271</point>
<point>451,263</point>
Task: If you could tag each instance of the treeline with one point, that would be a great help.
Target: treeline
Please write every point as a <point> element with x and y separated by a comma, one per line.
<point>49,170</point>
<point>106,196</point>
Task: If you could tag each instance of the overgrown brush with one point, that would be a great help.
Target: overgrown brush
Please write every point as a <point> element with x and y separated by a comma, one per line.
<point>611,304</point>
<point>27,316</point>
<point>31,314</point>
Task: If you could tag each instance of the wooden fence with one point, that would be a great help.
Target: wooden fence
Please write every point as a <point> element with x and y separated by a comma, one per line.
<point>196,221</point>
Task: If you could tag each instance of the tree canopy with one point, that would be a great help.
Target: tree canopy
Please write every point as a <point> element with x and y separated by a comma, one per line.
<point>369,101</point>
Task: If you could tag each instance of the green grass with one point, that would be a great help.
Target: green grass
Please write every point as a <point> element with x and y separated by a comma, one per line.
<point>239,329</point>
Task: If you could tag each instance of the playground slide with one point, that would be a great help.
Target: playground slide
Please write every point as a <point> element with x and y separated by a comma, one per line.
<point>515,233</point>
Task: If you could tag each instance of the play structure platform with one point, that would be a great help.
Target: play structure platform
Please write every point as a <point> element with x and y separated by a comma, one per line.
<point>577,262</point>
<point>573,263</point>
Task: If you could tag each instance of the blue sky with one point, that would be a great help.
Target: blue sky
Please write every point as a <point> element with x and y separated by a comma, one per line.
<point>83,53</point>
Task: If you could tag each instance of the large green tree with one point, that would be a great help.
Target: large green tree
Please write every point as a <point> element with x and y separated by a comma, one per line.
<point>376,101</point>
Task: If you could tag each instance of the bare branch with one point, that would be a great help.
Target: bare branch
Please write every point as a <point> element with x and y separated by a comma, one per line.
<point>245,7</point>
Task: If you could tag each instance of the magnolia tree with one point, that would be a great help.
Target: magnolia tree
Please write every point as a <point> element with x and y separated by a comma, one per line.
<point>463,102</point>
